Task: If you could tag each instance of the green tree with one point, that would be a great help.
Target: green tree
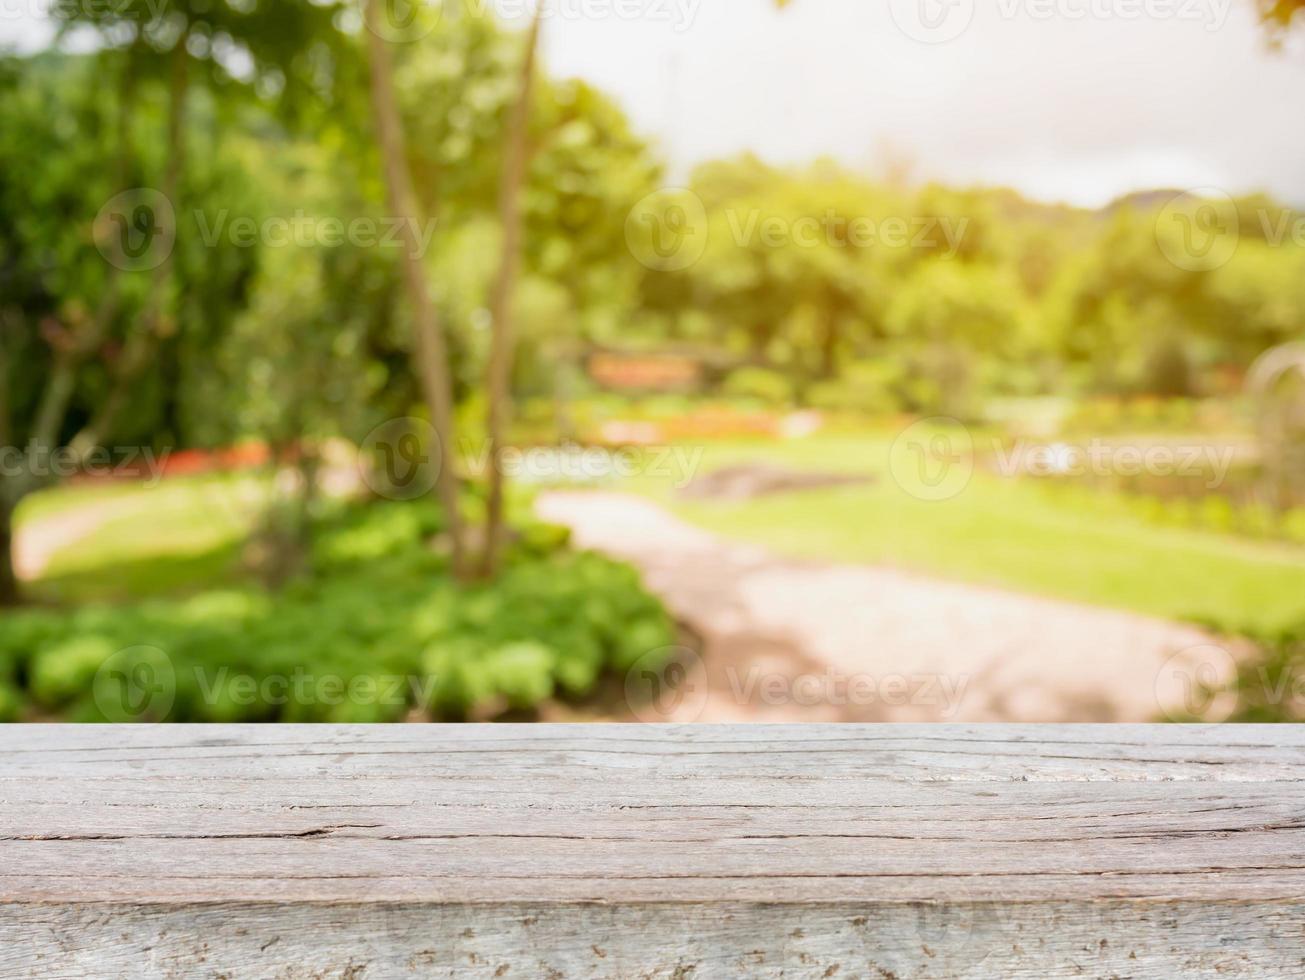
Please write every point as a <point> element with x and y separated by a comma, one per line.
<point>499,379</point>
<point>69,299</point>
<point>430,349</point>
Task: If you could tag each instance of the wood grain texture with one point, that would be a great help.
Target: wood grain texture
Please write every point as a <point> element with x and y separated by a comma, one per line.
<point>658,851</point>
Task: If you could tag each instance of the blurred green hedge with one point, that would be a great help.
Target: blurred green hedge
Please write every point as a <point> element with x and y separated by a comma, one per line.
<point>376,628</point>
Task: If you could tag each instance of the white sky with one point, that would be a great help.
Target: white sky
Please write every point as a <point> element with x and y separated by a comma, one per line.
<point>1062,108</point>
<point>1077,100</point>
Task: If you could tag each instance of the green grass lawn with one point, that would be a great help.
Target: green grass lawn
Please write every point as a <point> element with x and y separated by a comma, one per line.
<point>185,534</point>
<point>138,541</point>
<point>1003,532</point>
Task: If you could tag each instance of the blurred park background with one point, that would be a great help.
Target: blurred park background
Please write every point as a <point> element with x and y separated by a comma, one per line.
<point>359,364</point>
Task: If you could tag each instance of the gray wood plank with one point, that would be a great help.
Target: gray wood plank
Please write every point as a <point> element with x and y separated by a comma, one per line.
<point>617,851</point>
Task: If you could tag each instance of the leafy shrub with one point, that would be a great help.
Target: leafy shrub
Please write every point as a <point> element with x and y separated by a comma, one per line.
<point>1270,684</point>
<point>377,628</point>
<point>771,387</point>
<point>11,702</point>
<point>865,387</point>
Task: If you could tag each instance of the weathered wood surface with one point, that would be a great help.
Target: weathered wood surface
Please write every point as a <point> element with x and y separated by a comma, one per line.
<point>632,851</point>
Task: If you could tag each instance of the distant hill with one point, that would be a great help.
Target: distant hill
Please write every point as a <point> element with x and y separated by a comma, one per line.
<point>1143,200</point>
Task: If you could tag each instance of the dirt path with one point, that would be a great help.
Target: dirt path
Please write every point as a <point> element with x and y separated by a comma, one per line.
<point>36,542</point>
<point>789,640</point>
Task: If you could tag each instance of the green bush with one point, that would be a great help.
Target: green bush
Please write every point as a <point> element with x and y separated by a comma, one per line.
<point>377,628</point>
<point>771,387</point>
<point>865,388</point>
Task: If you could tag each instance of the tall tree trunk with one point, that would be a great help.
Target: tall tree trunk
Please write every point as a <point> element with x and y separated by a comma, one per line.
<point>10,593</point>
<point>502,338</point>
<point>828,366</point>
<point>8,328</point>
<point>111,300</point>
<point>309,464</point>
<point>429,349</point>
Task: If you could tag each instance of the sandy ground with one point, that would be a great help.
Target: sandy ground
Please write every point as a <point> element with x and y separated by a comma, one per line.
<point>36,542</point>
<point>788,640</point>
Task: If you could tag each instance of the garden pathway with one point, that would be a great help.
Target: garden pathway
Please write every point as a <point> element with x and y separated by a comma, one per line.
<point>37,541</point>
<point>788,640</point>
